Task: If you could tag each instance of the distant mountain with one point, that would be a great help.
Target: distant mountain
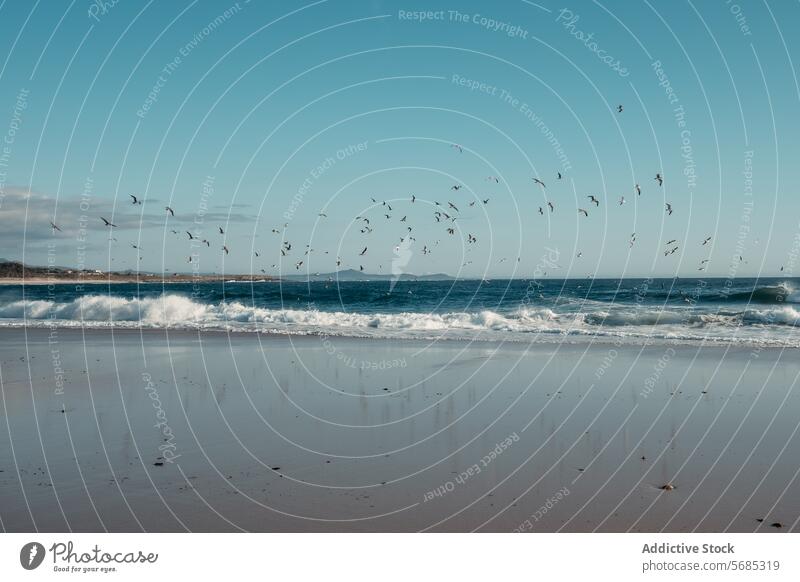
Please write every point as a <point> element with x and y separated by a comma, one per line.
<point>353,275</point>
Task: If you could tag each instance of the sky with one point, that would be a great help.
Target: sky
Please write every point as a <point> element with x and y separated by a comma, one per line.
<point>291,116</point>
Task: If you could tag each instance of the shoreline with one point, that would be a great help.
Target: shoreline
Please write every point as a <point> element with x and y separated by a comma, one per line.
<point>545,340</point>
<point>101,280</point>
<point>292,434</point>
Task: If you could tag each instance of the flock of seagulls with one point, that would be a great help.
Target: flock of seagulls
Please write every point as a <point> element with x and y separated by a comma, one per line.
<point>446,214</point>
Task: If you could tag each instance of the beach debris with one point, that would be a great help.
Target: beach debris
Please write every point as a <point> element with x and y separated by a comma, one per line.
<point>667,487</point>
<point>776,525</point>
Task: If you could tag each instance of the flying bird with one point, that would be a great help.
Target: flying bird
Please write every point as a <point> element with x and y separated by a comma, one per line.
<point>225,248</point>
<point>107,222</point>
<point>538,181</point>
<point>135,199</point>
<point>705,242</point>
<point>619,108</point>
<point>594,200</point>
<point>552,208</point>
<point>170,210</point>
<point>621,200</point>
<point>362,253</point>
<point>638,190</point>
<point>582,211</point>
<point>659,179</point>
<point>54,227</point>
<point>220,230</point>
<point>669,208</point>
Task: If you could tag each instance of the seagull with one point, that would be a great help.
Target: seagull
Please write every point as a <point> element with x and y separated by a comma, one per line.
<point>413,198</point>
<point>619,108</point>
<point>208,244</point>
<point>552,208</point>
<point>170,210</point>
<point>225,248</point>
<point>471,204</point>
<point>456,187</point>
<point>497,181</point>
<point>135,199</point>
<point>486,201</point>
<point>362,253</point>
<point>638,190</point>
<point>458,147</point>
<point>298,265</point>
<point>579,255</point>
<point>107,222</point>
<point>220,230</point>
<point>582,211</point>
<point>541,211</point>
<point>559,175</point>
<point>256,252</point>
<point>54,227</point>
<point>403,219</point>
<point>621,200</point>
<point>669,242</point>
<point>659,179</point>
<point>593,199</point>
<point>323,215</point>
<point>451,231</point>
<point>191,236</point>
<point>453,206</point>
<point>705,242</point>
<point>538,181</point>
<point>669,208</point>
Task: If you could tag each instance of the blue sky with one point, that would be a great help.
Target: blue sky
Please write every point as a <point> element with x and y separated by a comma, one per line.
<point>294,108</point>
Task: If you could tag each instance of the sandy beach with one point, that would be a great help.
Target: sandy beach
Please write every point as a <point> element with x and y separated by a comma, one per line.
<point>177,430</point>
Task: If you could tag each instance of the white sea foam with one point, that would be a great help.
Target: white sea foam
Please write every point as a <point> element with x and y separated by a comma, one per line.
<point>779,325</point>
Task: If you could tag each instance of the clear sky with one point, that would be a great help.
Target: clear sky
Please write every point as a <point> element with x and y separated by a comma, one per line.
<point>252,115</point>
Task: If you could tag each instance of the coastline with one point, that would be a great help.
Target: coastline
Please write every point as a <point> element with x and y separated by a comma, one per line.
<point>305,433</point>
<point>106,280</point>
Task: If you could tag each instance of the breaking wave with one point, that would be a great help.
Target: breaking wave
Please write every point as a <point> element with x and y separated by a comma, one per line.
<point>174,311</point>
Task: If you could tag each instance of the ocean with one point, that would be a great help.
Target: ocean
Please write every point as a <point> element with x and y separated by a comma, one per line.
<point>758,312</point>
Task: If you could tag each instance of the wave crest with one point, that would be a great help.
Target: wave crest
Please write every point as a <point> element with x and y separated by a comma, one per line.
<point>180,311</point>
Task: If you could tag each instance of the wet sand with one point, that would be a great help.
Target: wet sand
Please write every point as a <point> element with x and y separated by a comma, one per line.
<point>175,431</point>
